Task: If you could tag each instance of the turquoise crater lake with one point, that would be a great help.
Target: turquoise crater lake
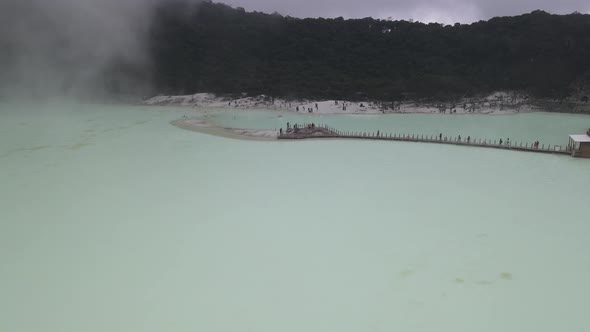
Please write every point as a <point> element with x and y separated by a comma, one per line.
<point>111,219</point>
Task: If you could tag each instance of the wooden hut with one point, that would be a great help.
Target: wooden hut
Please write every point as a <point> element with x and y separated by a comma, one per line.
<point>579,145</point>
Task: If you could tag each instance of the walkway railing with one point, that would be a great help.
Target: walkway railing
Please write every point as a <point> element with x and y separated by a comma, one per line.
<point>322,131</point>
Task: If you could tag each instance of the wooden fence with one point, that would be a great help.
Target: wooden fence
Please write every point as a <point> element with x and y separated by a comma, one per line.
<point>323,131</point>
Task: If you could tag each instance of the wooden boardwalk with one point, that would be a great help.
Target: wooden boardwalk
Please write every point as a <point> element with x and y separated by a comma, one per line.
<point>322,131</point>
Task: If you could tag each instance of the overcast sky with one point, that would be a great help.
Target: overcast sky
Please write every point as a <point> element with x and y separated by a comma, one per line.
<point>442,11</point>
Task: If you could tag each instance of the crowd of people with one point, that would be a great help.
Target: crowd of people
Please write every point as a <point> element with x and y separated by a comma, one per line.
<point>295,128</point>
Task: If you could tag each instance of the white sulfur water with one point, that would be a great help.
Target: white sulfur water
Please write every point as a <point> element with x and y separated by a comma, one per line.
<point>111,219</point>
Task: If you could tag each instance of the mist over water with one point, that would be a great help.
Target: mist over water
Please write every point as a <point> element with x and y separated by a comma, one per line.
<point>75,48</point>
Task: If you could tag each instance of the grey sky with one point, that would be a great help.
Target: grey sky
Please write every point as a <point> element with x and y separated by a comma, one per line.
<point>443,11</point>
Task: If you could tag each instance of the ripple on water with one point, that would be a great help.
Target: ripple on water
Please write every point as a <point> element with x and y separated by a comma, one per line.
<point>506,276</point>
<point>77,146</point>
<point>27,149</point>
<point>485,283</point>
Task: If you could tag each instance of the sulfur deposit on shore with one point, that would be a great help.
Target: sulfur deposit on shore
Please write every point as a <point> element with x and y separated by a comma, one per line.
<point>497,103</point>
<point>202,126</point>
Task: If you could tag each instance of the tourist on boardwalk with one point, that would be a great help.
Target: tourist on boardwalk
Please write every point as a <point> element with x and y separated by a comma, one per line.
<point>297,108</point>
<point>500,141</point>
<point>468,139</point>
<point>440,137</point>
<point>508,141</point>
<point>281,131</point>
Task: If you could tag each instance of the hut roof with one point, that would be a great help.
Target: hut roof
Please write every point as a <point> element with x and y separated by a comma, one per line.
<point>580,138</point>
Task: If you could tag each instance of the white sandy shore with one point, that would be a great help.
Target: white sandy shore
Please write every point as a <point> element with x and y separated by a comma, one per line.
<point>202,126</point>
<point>497,103</point>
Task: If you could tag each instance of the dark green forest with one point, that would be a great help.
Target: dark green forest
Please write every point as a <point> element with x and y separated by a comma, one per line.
<point>216,48</point>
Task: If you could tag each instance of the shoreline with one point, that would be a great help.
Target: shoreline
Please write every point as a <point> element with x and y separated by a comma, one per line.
<point>205,127</point>
<point>500,103</point>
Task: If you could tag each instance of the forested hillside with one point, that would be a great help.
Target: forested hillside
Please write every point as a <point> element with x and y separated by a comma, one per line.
<point>216,48</point>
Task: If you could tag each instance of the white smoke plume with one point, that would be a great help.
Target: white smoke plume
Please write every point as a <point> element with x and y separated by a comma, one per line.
<point>64,47</point>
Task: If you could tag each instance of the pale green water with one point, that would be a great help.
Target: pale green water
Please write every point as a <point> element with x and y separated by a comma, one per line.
<point>548,128</point>
<point>113,220</point>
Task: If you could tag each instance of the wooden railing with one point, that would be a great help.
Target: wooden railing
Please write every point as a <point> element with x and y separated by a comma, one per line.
<point>323,131</point>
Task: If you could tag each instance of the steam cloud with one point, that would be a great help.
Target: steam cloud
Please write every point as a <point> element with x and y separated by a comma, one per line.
<point>65,47</point>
